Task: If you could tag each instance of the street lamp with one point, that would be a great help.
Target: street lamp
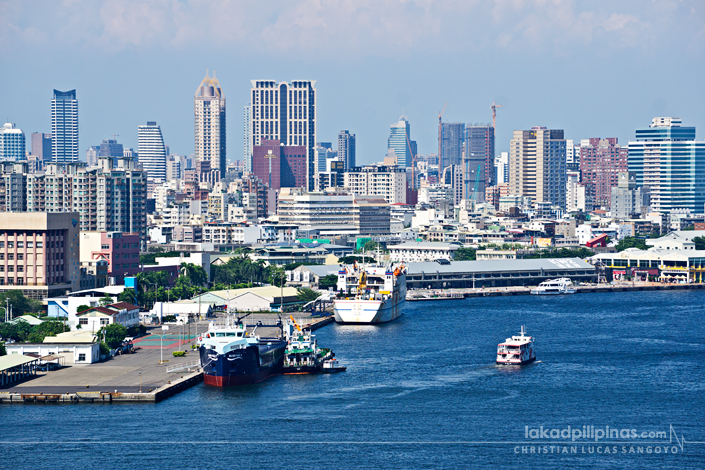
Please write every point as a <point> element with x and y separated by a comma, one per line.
<point>161,343</point>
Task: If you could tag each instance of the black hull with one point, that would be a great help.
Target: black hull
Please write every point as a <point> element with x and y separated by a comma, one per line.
<point>243,366</point>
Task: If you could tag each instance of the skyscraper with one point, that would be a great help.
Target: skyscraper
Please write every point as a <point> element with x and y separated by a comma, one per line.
<point>537,165</point>
<point>479,153</point>
<point>247,141</point>
<point>400,141</point>
<point>346,149</point>
<point>41,145</point>
<point>601,161</point>
<point>285,112</point>
<point>209,123</point>
<point>151,151</point>
<point>110,148</point>
<point>451,144</point>
<point>64,127</point>
<point>12,143</point>
<point>668,161</point>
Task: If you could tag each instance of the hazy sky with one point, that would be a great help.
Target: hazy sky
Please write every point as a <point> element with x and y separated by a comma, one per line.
<point>594,68</point>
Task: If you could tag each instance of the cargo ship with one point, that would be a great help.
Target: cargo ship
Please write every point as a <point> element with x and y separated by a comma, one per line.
<point>370,294</point>
<point>231,356</point>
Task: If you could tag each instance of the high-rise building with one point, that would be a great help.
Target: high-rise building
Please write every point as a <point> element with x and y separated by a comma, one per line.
<point>627,199</point>
<point>92,155</point>
<point>501,164</point>
<point>452,138</point>
<point>400,141</point>
<point>111,149</point>
<point>209,123</point>
<point>12,143</point>
<point>346,148</point>
<point>601,161</point>
<point>247,139</point>
<point>537,165</point>
<point>64,127</point>
<point>41,145</point>
<point>479,160</point>
<point>667,160</point>
<point>151,150</point>
<point>285,112</point>
<point>279,166</point>
<point>388,182</point>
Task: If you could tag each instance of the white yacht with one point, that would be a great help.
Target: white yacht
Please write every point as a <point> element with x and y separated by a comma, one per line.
<point>517,350</point>
<point>370,294</point>
<point>555,286</point>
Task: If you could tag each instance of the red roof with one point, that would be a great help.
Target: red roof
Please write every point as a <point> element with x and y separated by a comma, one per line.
<point>124,305</point>
<point>104,310</point>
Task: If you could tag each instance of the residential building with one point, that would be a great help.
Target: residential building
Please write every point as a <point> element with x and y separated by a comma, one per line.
<point>285,112</point>
<point>400,142</point>
<point>419,252</point>
<point>601,161</point>
<point>279,166</point>
<point>627,199</point>
<point>537,167</point>
<point>209,124</point>
<point>452,141</point>
<point>479,160</point>
<point>334,177</point>
<point>666,159</point>
<point>39,253</point>
<point>501,164</point>
<point>64,127</point>
<point>388,182</point>
<point>120,250</point>
<point>247,140</point>
<point>579,196</point>
<point>151,150</point>
<point>12,143</point>
<point>346,149</point>
<point>41,146</point>
<point>92,155</point>
<point>452,177</point>
<point>122,313</point>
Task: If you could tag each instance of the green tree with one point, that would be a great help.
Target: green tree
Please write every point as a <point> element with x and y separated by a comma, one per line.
<point>196,274</point>
<point>351,259</point>
<point>328,281</point>
<point>3,351</point>
<point>82,308</point>
<point>44,329</point>
<point>103,301</point>
<point>20,304</point>
<point>149,258</point>
<point>631,242</point>
<point>115,334</point>
<point>307,295</point>
<point>128,295</point>
<point>465,254</point>
<point>699,243</point>
<point>18,331</point>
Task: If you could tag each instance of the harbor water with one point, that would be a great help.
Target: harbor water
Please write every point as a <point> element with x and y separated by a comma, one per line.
<point>424,392</point>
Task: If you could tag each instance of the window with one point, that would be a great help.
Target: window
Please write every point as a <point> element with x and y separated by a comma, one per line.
<point>20,256</point>
<point>2,244</point>
<point>40,245</point>
<point>83,321</point>
<point>11,269</point>
<point>10,244</point>
<point>30,244</point>
<point>11,256</point>
<point>20,268</point>
<point>20,281</point>
<point>20,244</point>
<point>81,357</point>
<point>104,321</point>
<point>2,255</point>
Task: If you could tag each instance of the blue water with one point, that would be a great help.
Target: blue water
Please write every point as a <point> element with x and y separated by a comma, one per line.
<point>420,392</point>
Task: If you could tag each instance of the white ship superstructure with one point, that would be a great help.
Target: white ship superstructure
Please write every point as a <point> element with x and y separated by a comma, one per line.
<point>555,286</point>
<point>370,294</point>
<point>517,350</point>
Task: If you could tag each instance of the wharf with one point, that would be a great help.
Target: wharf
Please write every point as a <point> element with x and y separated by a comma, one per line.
<point>456,294</point>
<point>131,378</point>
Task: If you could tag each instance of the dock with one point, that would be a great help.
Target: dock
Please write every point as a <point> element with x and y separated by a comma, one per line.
<point>458,294</point>
<point>132,378</point>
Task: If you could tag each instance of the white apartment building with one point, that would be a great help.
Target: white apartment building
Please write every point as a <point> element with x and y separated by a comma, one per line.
<point>388,182</point>
<point>177,214</point>
<point>225,233</point>
<point>419,252</point>
<point>209,123</point>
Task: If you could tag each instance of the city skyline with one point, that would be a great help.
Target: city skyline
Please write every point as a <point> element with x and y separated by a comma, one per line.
<point>562,49</point>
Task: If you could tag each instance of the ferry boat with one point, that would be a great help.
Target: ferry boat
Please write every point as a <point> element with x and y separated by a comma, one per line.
<point>302,354</point>
<point>232,356</point>
<point>555,286</point>
<point>517,350</point>
<point>370,294</point>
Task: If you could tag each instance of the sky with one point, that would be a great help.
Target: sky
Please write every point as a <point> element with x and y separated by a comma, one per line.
<point>594,68</point>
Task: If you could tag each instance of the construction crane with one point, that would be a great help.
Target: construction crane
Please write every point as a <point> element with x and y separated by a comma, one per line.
<point>494,114</point>
<point>440,134</point>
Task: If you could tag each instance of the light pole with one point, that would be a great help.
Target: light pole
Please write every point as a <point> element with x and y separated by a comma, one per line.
<point>161,343</point>
<point>140,382</point>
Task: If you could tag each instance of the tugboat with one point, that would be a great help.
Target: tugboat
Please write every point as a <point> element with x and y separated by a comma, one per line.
<point>302,354</point>
<point>232,356</point>
<point>331,366</point>
<point>517,350</point>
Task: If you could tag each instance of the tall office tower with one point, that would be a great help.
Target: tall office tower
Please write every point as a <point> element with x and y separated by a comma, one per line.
<point>64,127</point>
<point>501,164</point>
<point>285,112</point>
<point>346,149</point>
<point>41,145</point>
<point>151,150</point>
<point>601,161</point>
<point>400,141</point>
<point>452,139</point>
<point>247,140</point>
<point>12,143</point>
<point>478,164</point>
<point>667,160</point>
<point>92,155</point>
<point>111,149</point>
<point>537,165</point>
<point>209,123</point>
